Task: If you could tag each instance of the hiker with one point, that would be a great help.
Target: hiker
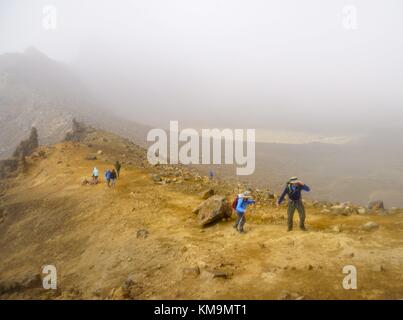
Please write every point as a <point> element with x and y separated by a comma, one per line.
<point>95,174</point>
<point>117,167</point>
<point>293,190</point>
<point>108,177</point>
<point>113,177</point>
<point>242,201</point>
<point>211,174</point>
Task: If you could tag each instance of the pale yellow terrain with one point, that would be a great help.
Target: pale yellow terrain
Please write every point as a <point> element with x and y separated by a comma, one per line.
<point>95,237</point>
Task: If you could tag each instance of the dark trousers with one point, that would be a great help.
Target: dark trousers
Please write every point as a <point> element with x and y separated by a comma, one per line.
<point>240,221</point>
<point>292,205</point>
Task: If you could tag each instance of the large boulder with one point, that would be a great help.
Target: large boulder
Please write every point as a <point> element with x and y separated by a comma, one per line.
<point>26,147</point>
<point>78,131</point>
<point>376,205</point>
<point>213,210</point>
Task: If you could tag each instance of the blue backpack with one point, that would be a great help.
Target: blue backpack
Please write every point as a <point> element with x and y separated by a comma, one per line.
<point>107,175</point>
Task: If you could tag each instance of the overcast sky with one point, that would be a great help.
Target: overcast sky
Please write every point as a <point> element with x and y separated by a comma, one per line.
<point>288,65</point>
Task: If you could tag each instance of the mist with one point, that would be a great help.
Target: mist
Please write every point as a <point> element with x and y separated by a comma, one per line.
<point>288,65</point>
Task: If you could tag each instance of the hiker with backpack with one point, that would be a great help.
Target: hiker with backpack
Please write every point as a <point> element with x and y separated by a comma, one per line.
<point>113,177</point>
<point>241,202</point>
<point>117,167</point>
<point>293,191</point>
<point>95,175</point>
<point>108,177</point>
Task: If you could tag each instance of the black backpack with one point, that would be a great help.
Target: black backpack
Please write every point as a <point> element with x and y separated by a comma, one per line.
<point>291,192</point>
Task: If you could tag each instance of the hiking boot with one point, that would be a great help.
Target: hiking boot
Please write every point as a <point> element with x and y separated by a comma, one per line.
<point>289,229</point>
<point>304,229</point>
<point>242,231</point>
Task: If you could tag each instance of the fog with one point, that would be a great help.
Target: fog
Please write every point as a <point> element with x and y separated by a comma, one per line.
<point>276,65</point>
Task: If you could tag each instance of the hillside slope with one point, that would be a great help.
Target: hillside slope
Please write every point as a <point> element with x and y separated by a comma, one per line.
<point>140,240</point>
<point>38,91</point>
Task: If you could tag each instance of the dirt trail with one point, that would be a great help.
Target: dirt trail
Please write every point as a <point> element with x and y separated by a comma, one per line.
<point>99,237</point>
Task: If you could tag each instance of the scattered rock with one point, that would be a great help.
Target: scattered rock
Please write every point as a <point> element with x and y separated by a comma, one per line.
<point>32,281</point>
<point>119,294</point>
<point>336,228</point>
<point>142,233</point>
<point>156,177</point>
<point>129,282</point>
<point>26,147</point>
<point>29,282</point>
<point>285,295</point>
<point>191,272</point>
<point>99,152</point>
<point>376,205</point>
<point>9,287</point>
<point>362,210</point>
<point>91,157</point>
<point>78,131</point>
<point>370,226</point>
<point>213,274</point>
<point>341,209</point>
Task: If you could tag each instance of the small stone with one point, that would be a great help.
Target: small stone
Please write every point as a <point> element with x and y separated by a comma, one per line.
<point>376,205</point>
<point>336,229</point>
<point>156,178</point>
<point>370,225</point>
<point>142,233</point>
<point>191,272</point>
<point>362,211</point>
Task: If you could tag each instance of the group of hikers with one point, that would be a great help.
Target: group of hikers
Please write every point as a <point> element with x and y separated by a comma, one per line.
<point>111,175</point>
<point>293,190</point>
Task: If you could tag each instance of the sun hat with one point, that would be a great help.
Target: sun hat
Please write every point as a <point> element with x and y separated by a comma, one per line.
<point>247,194</point>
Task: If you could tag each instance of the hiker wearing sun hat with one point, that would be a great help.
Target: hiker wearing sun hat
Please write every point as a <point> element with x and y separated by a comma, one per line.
<point>293,190</point>
<point>244,199</point>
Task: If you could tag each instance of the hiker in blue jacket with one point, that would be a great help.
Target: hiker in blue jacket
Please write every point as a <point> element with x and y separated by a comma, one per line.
<point>293,190</point>
<point>108,177</point>
<point>244,200</point>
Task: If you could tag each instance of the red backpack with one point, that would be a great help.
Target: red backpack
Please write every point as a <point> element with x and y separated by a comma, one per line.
<point>235,203</point>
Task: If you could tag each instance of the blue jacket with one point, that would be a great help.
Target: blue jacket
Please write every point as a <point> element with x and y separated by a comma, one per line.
<point>107,175</point>
<point>242,204</point>
<point>293,191</point>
